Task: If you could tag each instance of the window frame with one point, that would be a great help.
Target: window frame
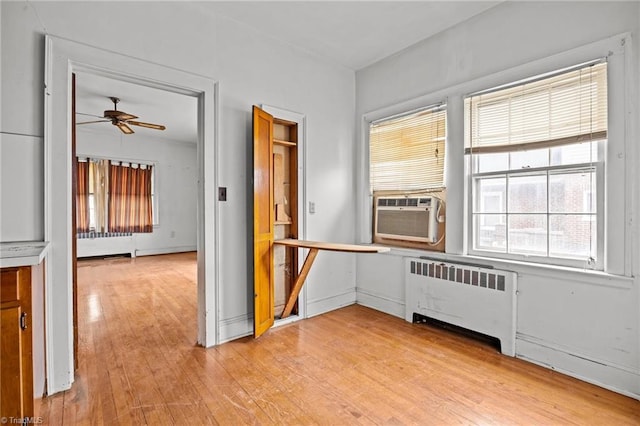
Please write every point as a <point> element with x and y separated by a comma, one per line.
<point>474,177</point>
<point>599,169</point>
<point>365,206</point>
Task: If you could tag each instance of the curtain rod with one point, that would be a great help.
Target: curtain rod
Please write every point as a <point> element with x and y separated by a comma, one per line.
<point>118,160</point>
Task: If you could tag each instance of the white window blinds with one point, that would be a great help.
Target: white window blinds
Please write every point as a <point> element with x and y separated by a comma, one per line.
<point>566,108</point>
<point>407,152</point>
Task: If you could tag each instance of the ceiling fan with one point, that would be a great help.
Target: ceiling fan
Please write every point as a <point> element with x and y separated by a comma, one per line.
<point>121,119</point>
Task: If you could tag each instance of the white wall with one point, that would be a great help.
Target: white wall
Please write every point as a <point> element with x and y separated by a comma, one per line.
<point>585,324</point>
<point>21,188</point>
<point>250,69</point>
<point>176,190</point>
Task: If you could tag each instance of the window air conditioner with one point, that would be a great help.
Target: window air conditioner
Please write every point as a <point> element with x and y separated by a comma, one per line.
<point>410,218</point>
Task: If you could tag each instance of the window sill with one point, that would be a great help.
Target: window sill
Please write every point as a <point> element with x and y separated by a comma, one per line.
<point>585,276</point>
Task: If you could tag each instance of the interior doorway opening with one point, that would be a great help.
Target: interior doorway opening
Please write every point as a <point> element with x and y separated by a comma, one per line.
<point>63,59</point>
<point>107,139</point>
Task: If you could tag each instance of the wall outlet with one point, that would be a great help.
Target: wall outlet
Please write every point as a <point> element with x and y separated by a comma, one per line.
<point>312,207</point>
<point>173,234</point>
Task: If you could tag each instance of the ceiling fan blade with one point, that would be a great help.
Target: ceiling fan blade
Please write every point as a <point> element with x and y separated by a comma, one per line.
<point>147,125</point>
<point>96,121</point>
<point>125,129</point>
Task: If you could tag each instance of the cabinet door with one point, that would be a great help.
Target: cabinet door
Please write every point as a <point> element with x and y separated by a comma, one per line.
<point>12,392</point>
<point>263,217</point>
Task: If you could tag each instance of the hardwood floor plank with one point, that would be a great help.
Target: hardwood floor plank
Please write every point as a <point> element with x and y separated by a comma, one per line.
<point>139,364</point>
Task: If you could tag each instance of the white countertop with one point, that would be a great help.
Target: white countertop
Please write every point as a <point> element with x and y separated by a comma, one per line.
<point>22,253</point>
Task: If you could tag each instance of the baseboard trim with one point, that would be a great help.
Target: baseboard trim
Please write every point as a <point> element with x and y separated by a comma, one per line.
<point>381,303</point>
<point>547,355</point>
<point>164,250</point>
<point>331,303</point>
<point>235,328</point>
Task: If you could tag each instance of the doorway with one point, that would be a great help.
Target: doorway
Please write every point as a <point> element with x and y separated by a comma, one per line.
<point>63,58</point>
<point>154,130</point>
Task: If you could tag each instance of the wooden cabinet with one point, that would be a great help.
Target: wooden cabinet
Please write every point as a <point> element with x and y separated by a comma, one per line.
<point>275,210</point>
<point>16,360</point>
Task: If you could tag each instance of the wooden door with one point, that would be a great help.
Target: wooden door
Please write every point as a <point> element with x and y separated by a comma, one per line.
<point>263,306</point>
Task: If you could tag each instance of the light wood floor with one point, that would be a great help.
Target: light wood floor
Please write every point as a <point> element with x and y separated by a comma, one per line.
<point>139,365</point>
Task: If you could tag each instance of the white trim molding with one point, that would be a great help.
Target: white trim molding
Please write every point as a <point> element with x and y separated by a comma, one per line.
<point>64,57</point>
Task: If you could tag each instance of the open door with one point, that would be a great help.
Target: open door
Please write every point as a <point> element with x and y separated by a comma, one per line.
<point>263,307</point>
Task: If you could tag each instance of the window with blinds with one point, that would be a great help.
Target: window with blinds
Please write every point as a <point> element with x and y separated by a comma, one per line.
<point>563,109</point>
<point>535,170</point>
<point>407,151</point>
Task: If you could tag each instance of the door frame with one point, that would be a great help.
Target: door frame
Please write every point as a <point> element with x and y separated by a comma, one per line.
<point>301,120</point>
<point>63,58</point>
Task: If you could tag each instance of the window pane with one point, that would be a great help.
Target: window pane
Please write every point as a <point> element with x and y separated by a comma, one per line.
<point>491,162</point>
<point>572,236</point>
<point>491,195</point>
<point>490,232</point>
<point>574,154</point>
<point>528,194</point>
<point>528,234</point>
<point>529,159</point>
<point>92,211</point>
<point>573,192</point>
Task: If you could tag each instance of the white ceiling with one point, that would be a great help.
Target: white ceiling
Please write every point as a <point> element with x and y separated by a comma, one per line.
<point>177,112</point>
<point>354,34</point>
<point>351,33</point>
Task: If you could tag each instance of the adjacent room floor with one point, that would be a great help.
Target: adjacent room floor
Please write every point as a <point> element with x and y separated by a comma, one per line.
<point>138,364</point>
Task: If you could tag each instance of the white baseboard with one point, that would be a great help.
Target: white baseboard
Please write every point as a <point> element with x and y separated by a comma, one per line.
<point>242,325</point>
<point>331,303</point>
<point>614,378</point>
<point>163,250</point>
<point>381,303</point>
<point>235,328</point>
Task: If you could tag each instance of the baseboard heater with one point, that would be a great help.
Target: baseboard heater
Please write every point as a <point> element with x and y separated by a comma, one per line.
<point>476,298</point>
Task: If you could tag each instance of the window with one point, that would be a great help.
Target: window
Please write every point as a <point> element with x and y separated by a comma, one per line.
<point>407,151</point>
<point>98,194</point>
<point>535,151</point>
<point>117,197</point>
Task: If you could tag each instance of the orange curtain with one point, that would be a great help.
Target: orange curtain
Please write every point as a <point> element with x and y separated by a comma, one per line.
<point>130,204</point>
<point>82,197</point>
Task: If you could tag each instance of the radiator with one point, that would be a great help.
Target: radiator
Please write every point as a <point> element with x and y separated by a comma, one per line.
<point>472,297</point>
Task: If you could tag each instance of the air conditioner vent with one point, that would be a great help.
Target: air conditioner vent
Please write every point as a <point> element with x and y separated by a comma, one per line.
<point>409,218</point>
